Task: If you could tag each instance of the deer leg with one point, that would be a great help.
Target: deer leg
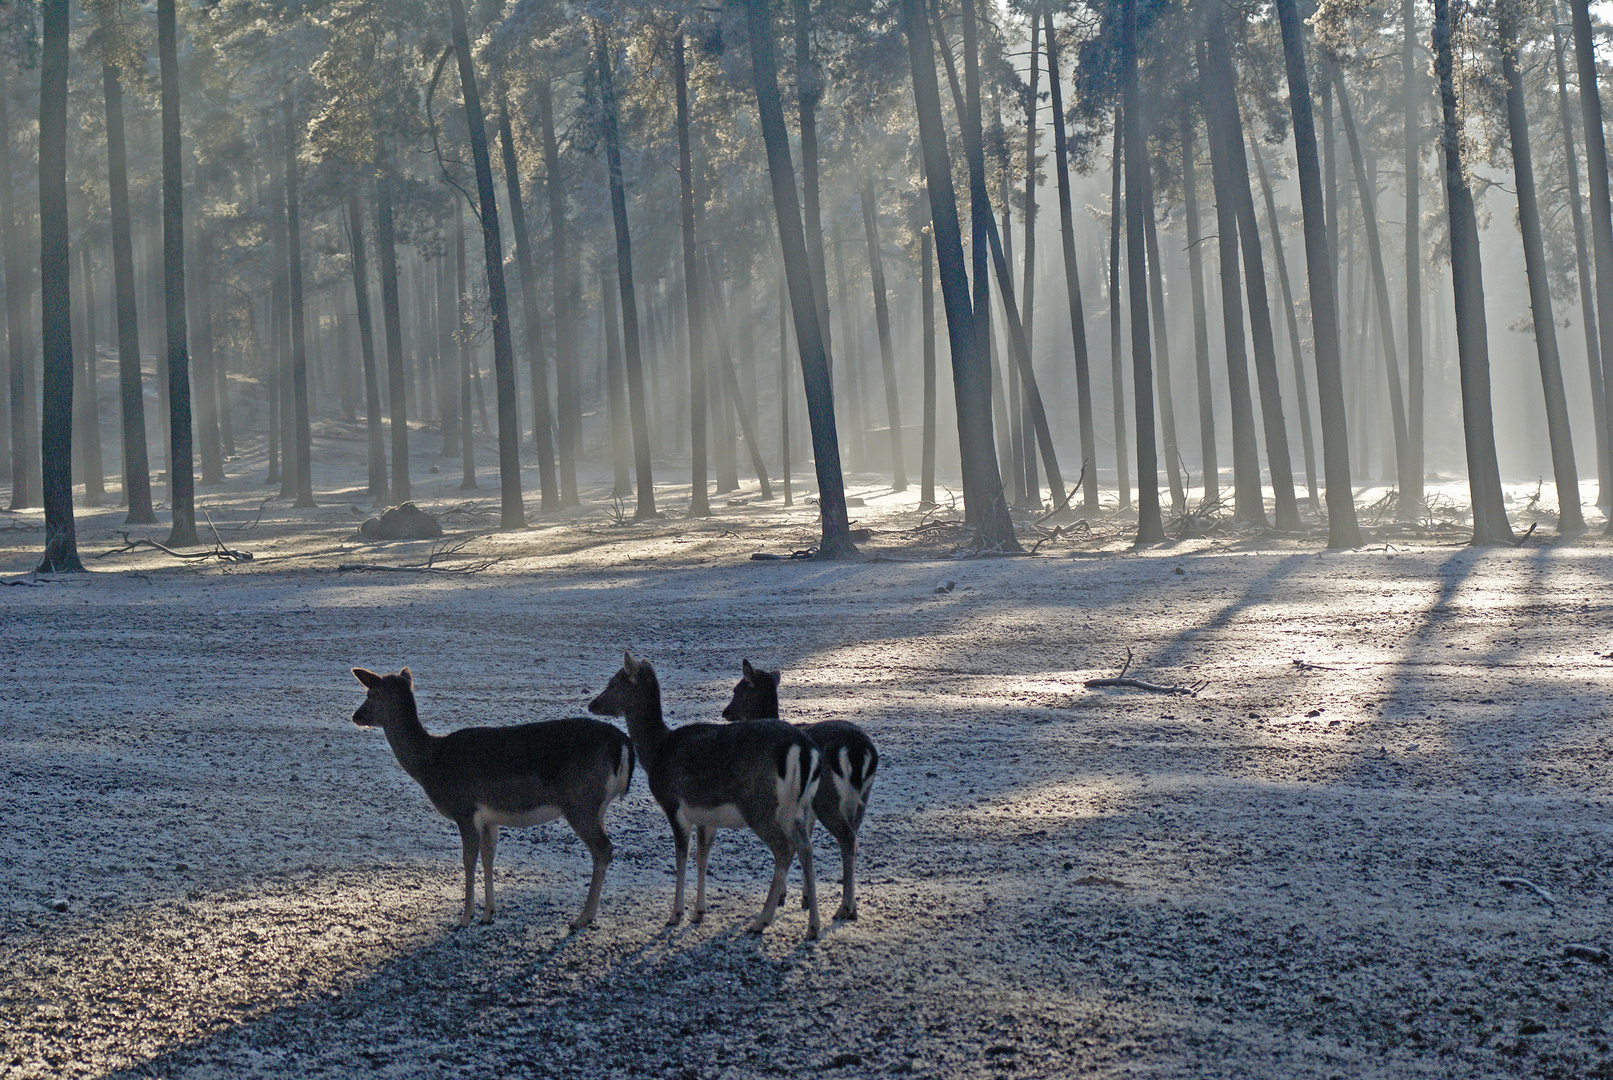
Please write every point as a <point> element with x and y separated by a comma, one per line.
<point>489,842</point>
<point>705,837</point>
<point>809,887</point>
<point>471,844</point>
<point>680,843</point>
<point>845,834</point>
<point>783,855</point>
<point>590,828</point>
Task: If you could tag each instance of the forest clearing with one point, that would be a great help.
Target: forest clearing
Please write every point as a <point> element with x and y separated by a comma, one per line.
<point>1302,870</point>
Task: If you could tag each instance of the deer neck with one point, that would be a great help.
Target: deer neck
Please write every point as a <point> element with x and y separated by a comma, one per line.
<point>411,743</point>
<point>647,728</point>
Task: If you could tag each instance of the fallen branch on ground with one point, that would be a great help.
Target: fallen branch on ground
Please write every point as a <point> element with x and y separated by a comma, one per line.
<point>218,551</point>
<point>454,545</point>
<point>1306,665</point>
<point>1139,684</point>
<point>1525,883</point>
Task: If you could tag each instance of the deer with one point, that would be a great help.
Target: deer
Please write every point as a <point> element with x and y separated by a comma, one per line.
<point>708,776</point>
<point>850,762</point>
<point>482,778</point>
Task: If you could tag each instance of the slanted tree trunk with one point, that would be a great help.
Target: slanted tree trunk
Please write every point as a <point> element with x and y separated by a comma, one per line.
<point>568,397</point>
<point>1490,524</point>
<point>24,437</point>
<point>1201,331</point>
<point>512,510</point>
<point>531,326</point>
<point>299,340</point>
<point>366,340</point>
<point>730,379</point>
<point>1301,388</point>
<point>1587,303</point>
<point>1022,356</point>
<point>1411,482</point>
<point>624,268</point>
<point>1150,526</point>
<point>1117,379</point>
<point>1571,519</point>
<point>1380,282</point>
<point>882,321</point>
<point>1072,277</point>
<point>136,467</point>
<point>699,500</point>
<point>182,480</point>
<point>55,273</point>
<point>1342,529</point>
<point>836,541</point>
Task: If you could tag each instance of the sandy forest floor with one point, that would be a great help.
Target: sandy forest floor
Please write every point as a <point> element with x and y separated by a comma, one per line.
<point>207,871</point>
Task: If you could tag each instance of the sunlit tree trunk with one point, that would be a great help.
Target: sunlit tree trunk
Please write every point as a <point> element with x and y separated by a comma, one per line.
<point>1072,277</point>
<point>836,540</point>
<point>88,407</point>
<point>1201,329</point>
<point>299,342</point>
<point>1411,481</point>
<point>809,89</point>
<point>1490,524</point>
<point>1342,529</point>
<point>1117,379</point>
<point>55,275</point>
<point>392,322</point>
<point>1150,526</point>
<point>927,345</point>
<point>882,321</point>
<point>699,501</point>
<point>568,399</point>
<point>366,340</point>
<point>1167,401</point>
<point>182,481</point>
<point>1571,519</point>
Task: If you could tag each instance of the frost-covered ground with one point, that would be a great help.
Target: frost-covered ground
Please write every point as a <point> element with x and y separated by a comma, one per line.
<point>207,871</point>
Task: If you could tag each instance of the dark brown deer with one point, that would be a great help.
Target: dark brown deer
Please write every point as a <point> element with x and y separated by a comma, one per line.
<point>849,764</point>
<point>481,778</point>
<point>714,776</point>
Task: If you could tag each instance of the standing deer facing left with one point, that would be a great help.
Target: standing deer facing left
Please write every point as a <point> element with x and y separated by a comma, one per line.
<point>481,778</point>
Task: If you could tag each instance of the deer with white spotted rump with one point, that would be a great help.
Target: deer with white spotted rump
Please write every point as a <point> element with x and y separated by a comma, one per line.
<point>482,778</point>
<point>715,776</point>
<point>849,764</point>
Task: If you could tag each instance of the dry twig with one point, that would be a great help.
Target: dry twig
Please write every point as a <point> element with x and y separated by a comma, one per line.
<point>1139,684</point>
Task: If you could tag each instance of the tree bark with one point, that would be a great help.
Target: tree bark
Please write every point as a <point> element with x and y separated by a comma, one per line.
<point>699,500</point>
<point>836,540</point>
<point>1571,518</point>
<point>1117,213</point>
<point>624,272</point>
<point>927,344</point>
<point>136,467</point>
<point>621,428</point>
<point>1208,463</point>
<point>512,510</point>
<point>809,88</point>
<point>88,407</point>
<point>882,321</point>
<point>1342,529</point>
<point>1072,277</point>
<point>182,481</point>
<point>531,325</point>
<point>299,341</point>
<point>1150,526</point>
<point>1411,483</point>
<point>1490,524</point>
<point>462,344</point>
<point>25,434</point>
<point>55,275</point>
<point>568,399</point>
<point>366,340</point>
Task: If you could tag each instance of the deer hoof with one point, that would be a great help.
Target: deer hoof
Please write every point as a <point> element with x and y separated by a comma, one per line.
<point>813,930</point>
<point>580,923</point>
<point>487,917</point>
<point>677,917</point>
<point>756,926</point>
<point>847,913</point>
<point>699,915</point>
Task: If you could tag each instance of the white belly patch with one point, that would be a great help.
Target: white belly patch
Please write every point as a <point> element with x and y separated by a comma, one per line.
<point>536,816</point>
<point>723,816</point>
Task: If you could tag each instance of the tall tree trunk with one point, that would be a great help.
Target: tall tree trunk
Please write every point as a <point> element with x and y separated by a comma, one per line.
<point>1342,529</point>
<point>927,345</point>
<point>299,340</point>
<point>1490,524</point>
<point>1590,106</point>
<point>1380,281</point>
<point>462,342</point>
<point>392,321</point>
<point>730,379</point>
<point>784,393</point>
<point>181,479</point>
<point>1156,301</point>
<point>531,326</point>
<point>568,420</point>
<point>621,428</point>
<point>366,340</point>
<point>1150,526</point>
<point>699,500</point>
<point>1249,503</point>
<point>1027,303</point>
<point>55,273</point>
<point>89,409</point>
<point>1033,395</point>
<point>24,448</point>
<point>809,89</point>
<point>1072,277</point>
<point>512,510</point>
<point>1117,213</point>
<point>882,321</point>
<point>200,319</point>
<point>1411,482</point>
<point>1208,463</point>
<point>971,375</point>
<point>136,468</point>
<point>1571,519</point>
<point>836,541</point>
<point>1301,388</point>
<point>1587,303</point>
<point>624,270</point>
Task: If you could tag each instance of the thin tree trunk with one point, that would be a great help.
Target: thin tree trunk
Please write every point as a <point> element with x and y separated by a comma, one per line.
<point>512,510</point>
<point>1167,403</point>
<point>927,344</point>
<point>136,467</point>
<point>89,409</point>
<point>1571,519</point>
<point>1072,277</point>
<point>1411,483</point>
<point>882,321</point>
<point>1208,463</point>
<point>784,394</point>
<point>836,541</point>
<point>725,361</point>
<point>1490,524</point>
<point>1117,212</point>
<point>24,447</point>
<point>462,344</point>
<point>1150,526</point>
<point>392,321</point>
<point>1343,530</point>
<point>55,274</point>
<point>624,270</point>
<point>531,326</point>
<point>366,339</point>
<point>809,89</point>
<point>621,429</point>
<point>568,418</point>
<point>182,481</point>
<point>1301,387</point>
<point>699,501</point>
<point>299,341</point>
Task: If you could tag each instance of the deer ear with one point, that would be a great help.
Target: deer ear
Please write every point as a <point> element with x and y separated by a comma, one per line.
<point>750,672</point>
<point>777,677</point>
<point>629,665</point>
<point>368,678</point>
<point>406,676</point>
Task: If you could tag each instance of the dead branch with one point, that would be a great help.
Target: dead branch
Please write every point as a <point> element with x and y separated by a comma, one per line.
<point>1525,883</point>
<point>1306,665</point>
<point>453,545</point>
<point>1139,684</point>
<point>1519,541</point>
<point>218,551</point>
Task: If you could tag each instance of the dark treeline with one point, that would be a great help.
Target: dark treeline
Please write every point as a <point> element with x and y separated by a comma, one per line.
<point>710,238</point>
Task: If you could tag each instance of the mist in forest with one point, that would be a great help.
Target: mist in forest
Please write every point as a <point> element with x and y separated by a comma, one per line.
<point>1176,263</point>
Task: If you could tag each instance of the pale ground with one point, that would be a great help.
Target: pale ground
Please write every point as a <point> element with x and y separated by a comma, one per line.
<point>207,871</point>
